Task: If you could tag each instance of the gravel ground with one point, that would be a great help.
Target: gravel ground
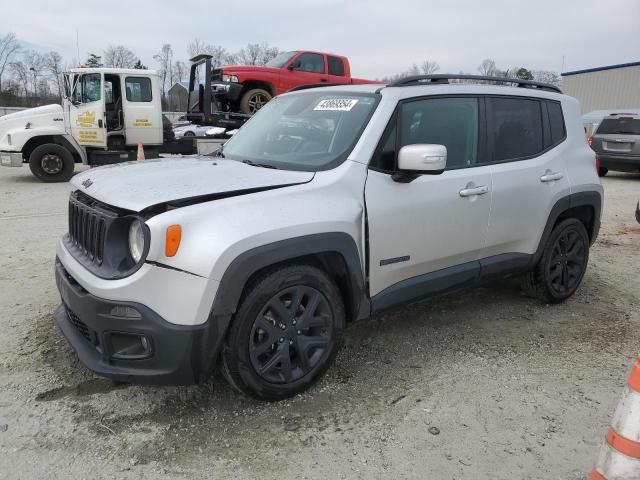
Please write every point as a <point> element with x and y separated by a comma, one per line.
<point>485,384</point>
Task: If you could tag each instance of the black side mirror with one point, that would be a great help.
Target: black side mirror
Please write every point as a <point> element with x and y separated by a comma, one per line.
<point>294,65</point>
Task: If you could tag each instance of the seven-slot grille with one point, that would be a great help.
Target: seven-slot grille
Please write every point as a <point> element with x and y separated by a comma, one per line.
<point>87,228</point>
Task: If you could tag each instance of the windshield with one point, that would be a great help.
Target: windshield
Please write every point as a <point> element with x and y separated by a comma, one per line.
<point>281,60</point>
<point>620,126</point>
<point>304,131</point>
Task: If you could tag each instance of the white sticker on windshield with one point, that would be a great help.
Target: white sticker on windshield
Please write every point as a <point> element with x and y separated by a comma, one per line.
<point>337,104</point>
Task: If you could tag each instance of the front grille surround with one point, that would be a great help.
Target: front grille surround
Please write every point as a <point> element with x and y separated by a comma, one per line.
<point>98,237</point>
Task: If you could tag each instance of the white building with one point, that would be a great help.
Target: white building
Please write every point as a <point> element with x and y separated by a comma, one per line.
<point>605,88</point>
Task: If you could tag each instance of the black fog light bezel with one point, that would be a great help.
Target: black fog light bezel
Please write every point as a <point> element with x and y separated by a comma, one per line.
<point>109,349</point>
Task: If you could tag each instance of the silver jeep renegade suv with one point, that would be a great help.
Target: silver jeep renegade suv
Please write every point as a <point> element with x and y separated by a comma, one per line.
<point>329,205</point>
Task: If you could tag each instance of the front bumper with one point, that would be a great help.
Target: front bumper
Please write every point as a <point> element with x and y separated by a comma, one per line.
<point>11,159</point>
<point>226,90</point>
<point>620,163</point>
<point>111,343</point>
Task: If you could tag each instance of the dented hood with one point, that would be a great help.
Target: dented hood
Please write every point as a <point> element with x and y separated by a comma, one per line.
<point>139,185</point>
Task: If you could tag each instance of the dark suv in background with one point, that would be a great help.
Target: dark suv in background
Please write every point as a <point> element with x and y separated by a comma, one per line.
<point>617,143</point>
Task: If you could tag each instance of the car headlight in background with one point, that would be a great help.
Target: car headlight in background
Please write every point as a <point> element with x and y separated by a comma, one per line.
<point>136,240</point>
<point>229,78</point>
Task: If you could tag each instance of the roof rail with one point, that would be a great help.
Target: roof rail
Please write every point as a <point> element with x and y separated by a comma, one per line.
<point>440,79</point>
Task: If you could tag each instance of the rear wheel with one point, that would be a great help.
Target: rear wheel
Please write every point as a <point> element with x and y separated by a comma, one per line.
<point>563,263</point>
<point>254,100</point>
<point>602,171</point>
<point>189,134</point>
<point>286,333</point>
<point>51,163</point>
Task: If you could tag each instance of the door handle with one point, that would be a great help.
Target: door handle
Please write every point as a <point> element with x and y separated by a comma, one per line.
<point>99,123</point>
<point>470,192</point>
<point>550,176</point>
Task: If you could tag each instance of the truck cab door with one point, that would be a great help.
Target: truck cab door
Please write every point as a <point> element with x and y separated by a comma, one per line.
<point>142,110</point>
<point>86,111</point>
<point>305,69</point>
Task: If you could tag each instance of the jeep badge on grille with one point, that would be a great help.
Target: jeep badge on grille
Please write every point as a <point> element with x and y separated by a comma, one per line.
<point>87,183</point>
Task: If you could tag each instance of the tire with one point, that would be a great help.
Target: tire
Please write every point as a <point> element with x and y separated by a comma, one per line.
<point>51,163</point>
<point>189,134</point>
<point>261,354</point>
<point>253,100</point>
<point>566,249</point>
<point>602,171</point>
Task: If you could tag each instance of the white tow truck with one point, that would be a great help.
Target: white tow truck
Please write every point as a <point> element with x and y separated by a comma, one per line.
<point>105,113</point>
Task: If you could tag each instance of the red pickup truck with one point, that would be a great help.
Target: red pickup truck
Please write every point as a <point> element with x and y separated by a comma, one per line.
<point>247,88</point>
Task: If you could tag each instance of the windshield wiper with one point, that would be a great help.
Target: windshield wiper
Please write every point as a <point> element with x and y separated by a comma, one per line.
<point>255,164</point>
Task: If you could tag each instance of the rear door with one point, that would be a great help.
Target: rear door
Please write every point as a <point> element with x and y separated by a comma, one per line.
<point>87,111</point>
<point>434,221</point>
<point>337,70</point>
<point>618,135</point>
<point>527,145</point>
<point>305,69</point>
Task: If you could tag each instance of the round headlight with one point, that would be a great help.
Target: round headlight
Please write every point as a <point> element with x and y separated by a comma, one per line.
<point>136,240</point>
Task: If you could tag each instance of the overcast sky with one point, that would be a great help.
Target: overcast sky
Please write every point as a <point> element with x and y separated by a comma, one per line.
<point>380,37</point>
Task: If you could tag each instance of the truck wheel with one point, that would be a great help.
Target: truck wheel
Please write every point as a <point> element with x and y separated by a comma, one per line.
<point>51,163</point>
<point>285,334</point>
<point>254,100</point>
<point>563,263</point>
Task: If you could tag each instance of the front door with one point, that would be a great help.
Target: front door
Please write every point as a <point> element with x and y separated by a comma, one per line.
<point>435,221</point>
<point>142,110</point>
<point>87,111</point>
<point>305,69</point>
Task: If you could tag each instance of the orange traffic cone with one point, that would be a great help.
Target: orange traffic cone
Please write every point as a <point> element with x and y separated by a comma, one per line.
<point>140,151</point>
<point>620,455</point>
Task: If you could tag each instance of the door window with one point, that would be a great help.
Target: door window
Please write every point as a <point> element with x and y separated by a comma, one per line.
<point>516,128</point>
<point>452,122</point>
<point>336,66</point>
<point>87,89</point>
<point>310,62</point>
<point>138,89</point>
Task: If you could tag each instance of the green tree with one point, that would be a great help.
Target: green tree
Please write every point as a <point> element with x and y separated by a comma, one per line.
<point>94,61</point>
<point>524,74</point>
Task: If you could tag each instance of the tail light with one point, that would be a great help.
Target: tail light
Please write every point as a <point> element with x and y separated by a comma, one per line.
<point>590,140</point>
<point>597,164</point>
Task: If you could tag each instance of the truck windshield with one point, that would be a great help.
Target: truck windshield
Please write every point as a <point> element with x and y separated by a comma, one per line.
<point>308,131</point>
<point>280,60</point>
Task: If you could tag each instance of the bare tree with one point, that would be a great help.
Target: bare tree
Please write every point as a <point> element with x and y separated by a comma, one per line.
<point>119,56</point>
<point>21,75</point>
<point>9,47</point>
<point>35,62</point>
<point>428,67</point>
<point>546,76</point>
<point>219,54</point>
<point>488,68</point>
<point>179,71</point>
<point>53,65</point>
<point>256,54</point>
<point>165,59</point>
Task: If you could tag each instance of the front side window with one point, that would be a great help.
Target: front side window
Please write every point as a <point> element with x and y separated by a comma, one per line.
<point>138,89</point>
<point>87,88</point>
<point>310,62</point>
<point>517,128</point>
<point>452,122</point>
<point>305,131</point>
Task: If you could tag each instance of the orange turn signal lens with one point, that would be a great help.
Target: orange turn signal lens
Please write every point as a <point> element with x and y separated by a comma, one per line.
<point>174,235</point>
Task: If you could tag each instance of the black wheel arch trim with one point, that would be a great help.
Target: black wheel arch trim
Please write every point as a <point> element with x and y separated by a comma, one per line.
<point>588,198</point>
<point>248,263</point>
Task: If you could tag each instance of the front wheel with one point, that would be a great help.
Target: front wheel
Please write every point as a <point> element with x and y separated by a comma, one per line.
<point>285,334</point>
<point>51,163</point>
<point>563,263</point>
<point>254,100</point>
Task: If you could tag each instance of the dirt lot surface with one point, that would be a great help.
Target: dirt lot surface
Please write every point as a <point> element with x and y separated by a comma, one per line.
<point>484,384</point>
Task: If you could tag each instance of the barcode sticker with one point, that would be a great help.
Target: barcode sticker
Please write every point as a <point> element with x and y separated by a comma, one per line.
<point>337,104</point>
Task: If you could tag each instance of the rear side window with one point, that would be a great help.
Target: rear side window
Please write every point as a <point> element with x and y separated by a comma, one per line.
<point>556,122</point>
<point>138,89</point>
<point>336,66</point>
<point>620,126</point>
<point>517,128</point>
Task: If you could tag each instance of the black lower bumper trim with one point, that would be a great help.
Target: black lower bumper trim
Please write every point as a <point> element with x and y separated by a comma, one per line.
<point>171,354</point>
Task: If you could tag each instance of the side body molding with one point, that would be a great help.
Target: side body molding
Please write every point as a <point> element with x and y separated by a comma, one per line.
<point>240,270</point>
